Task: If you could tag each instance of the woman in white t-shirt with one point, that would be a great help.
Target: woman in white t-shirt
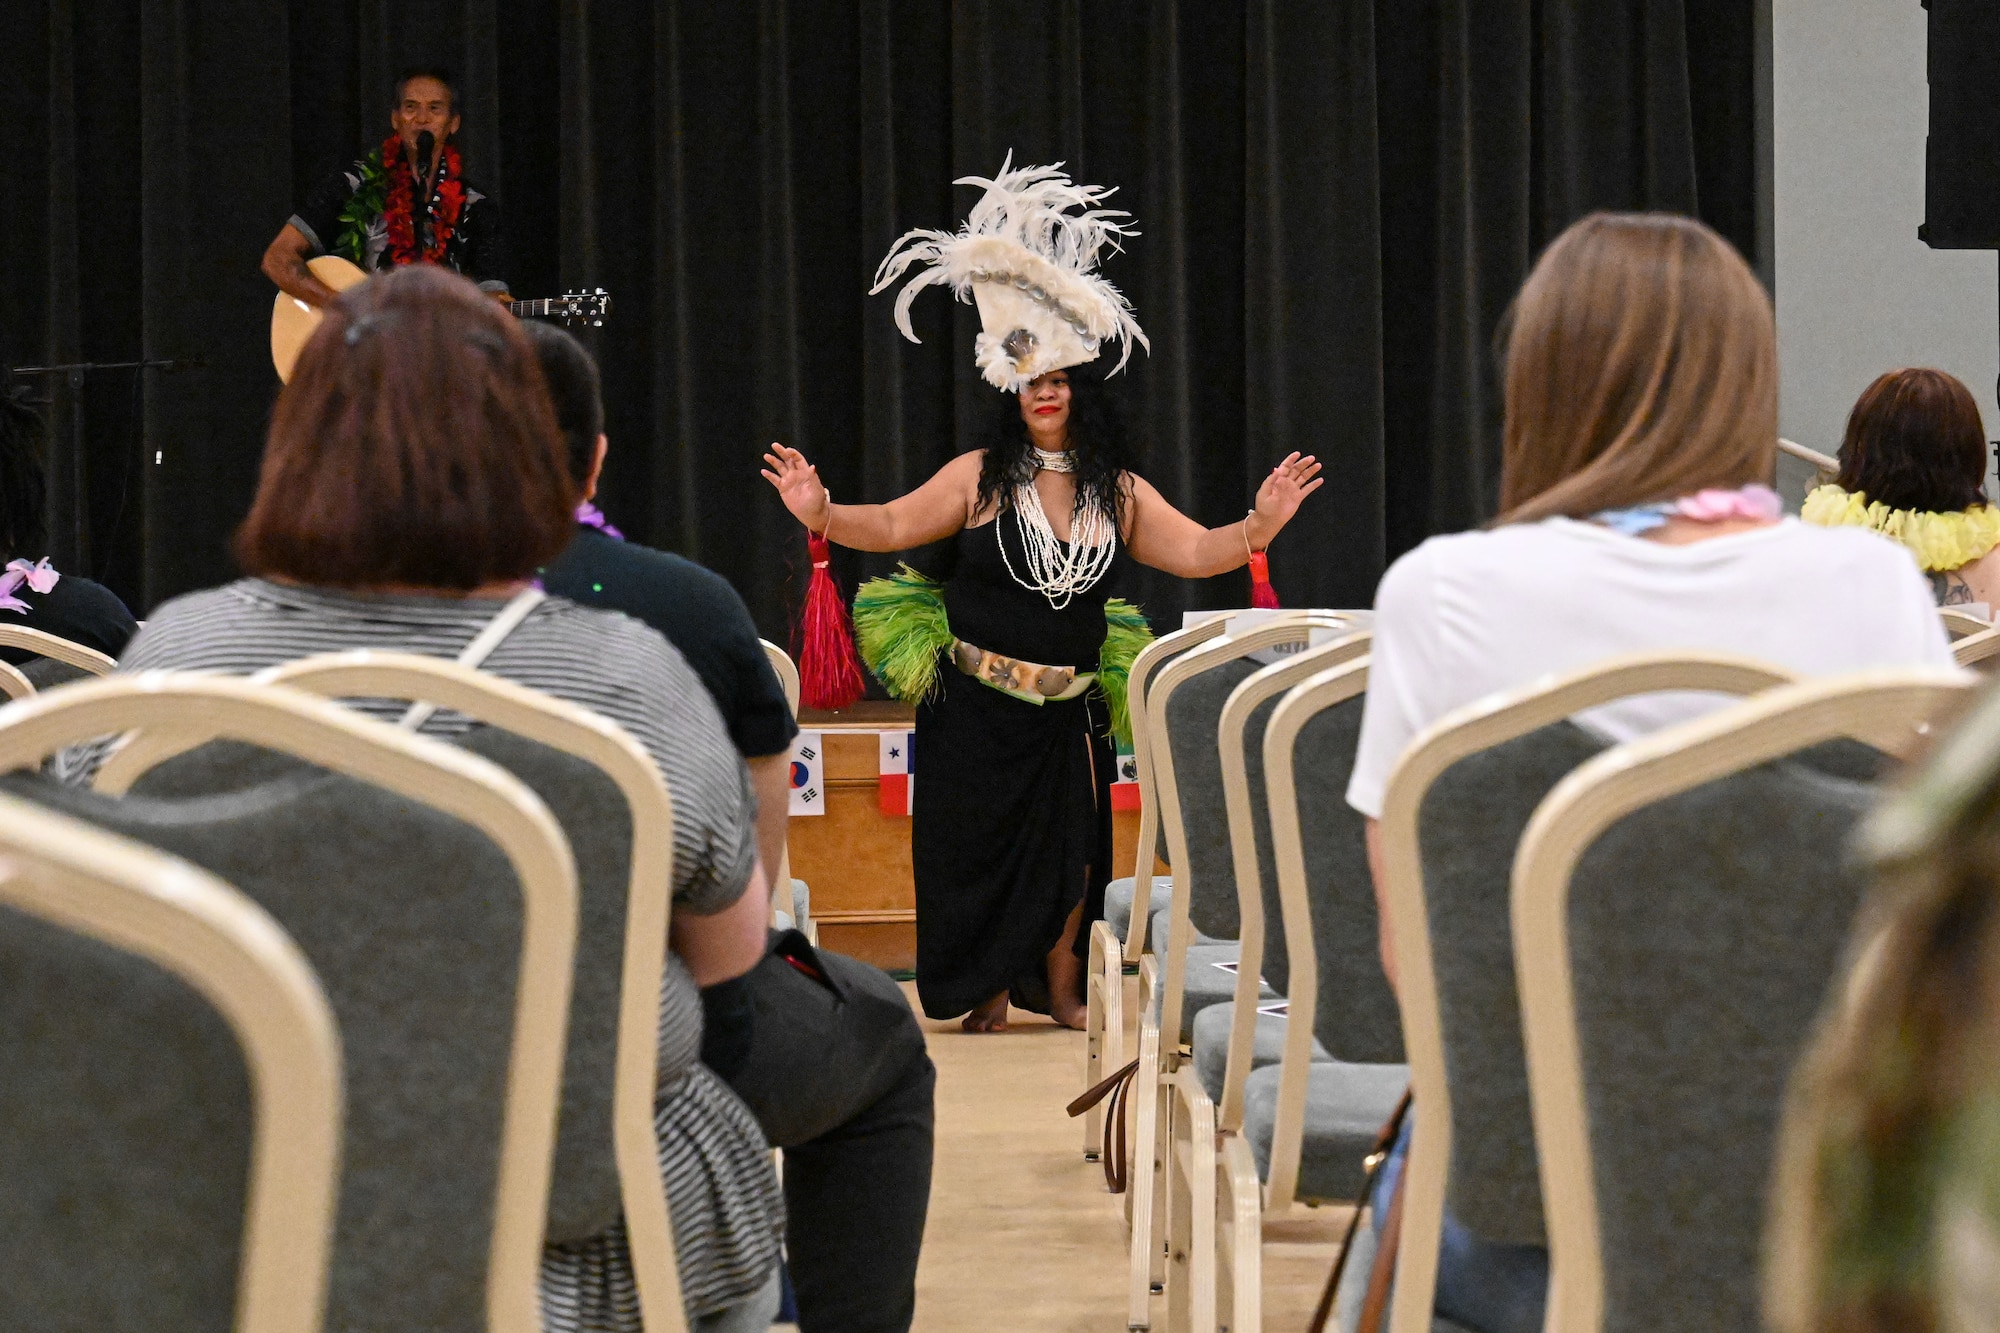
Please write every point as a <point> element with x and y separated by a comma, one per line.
<point>1641,430</point>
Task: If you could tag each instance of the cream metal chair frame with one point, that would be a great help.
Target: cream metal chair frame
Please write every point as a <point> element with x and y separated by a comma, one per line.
<point>14,685</point>
<point>1962,625</point>
<point>1892,710</point>
<point>1977,650</point>
<point>1168,1145</point>
<point>597,740</point>
<point>1318,680</point>
<point>1466,731</point>
<point>44,644</point>
<point>1827,466</point>
<point>1104,977</point>
<point>437,775</point>
<point>788,678</point>
<point>186,921</point>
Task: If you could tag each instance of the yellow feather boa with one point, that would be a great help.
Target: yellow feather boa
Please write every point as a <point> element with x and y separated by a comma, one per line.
<point>1939,541</point>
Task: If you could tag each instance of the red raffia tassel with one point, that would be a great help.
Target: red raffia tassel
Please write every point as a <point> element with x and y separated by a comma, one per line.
<point>1262,595</point>
<point>829,668</point>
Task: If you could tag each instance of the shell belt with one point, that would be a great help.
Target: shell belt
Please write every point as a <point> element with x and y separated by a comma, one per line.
<point>1028,681</point>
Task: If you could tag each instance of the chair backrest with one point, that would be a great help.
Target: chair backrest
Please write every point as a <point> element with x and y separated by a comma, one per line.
<point>1327,905</point>
<point>56,649</point>
<point>1962,624</point>
<point>788,672</point>
<point>1680,909</point>
<point>1152,841</point>
<point>172,1089</point>
<point>1240,733</point>
<point>788,679</point>
<point>1978,651</point>
<point>424,884</point>
<point>599,783</point>
<point>1183,712</point>
<point>14,683</point>
<point>1446,851</point>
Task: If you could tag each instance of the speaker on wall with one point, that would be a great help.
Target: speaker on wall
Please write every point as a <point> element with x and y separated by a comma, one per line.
<point>1962,156</point>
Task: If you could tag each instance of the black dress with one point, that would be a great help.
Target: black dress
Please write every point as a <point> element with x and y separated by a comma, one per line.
<point>1012,811</point>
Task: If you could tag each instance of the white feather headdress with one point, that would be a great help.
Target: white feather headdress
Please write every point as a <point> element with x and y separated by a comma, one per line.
<point>1027,256</point>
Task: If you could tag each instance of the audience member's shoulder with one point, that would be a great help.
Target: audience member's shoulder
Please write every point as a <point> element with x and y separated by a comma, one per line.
<point>1457,553</point>
<point>225,600</point>
<point>91,593</point>
<point>606,637</point>
<point>696,583</point>
<point>1847,551</point>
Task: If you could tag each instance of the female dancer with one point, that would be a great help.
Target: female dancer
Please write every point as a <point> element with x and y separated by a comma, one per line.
<point>1011,835</point>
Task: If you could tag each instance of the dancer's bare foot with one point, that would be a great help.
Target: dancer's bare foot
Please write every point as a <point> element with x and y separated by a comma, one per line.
<point>1065,974</point>
<point>988,1017</point>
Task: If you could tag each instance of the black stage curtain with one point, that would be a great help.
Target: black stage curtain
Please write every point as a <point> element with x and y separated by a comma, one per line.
<point>1338,198</point>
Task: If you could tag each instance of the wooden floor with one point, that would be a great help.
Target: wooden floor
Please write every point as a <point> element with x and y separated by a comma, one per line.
<point>1023,1237</point>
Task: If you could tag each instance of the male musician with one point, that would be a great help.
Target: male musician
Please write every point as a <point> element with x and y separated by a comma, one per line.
<point>394,206</point>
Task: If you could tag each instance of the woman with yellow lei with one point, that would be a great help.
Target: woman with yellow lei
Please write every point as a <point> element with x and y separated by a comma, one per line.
<point>1913,468</point>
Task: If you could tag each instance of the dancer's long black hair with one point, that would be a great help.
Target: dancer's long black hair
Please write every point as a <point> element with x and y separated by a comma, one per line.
<point>1096,438</point>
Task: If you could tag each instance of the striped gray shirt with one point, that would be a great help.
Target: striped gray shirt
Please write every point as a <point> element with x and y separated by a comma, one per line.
<point>727,1210</point>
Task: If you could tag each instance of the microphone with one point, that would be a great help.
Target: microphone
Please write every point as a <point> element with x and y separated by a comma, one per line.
<point>426,145</point>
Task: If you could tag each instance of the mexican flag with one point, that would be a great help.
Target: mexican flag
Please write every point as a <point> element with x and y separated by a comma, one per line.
<point>1125,780</point>
<point>897,751</point>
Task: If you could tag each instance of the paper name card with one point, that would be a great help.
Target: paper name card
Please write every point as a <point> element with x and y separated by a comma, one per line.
<point>1241,622</point>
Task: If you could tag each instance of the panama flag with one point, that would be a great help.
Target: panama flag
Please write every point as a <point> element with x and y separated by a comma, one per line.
<point>1125,780</point>
<point>899,771</point>
<point>809,774</point>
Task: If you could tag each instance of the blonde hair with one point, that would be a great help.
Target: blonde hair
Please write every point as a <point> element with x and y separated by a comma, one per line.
<point>1642,365</point>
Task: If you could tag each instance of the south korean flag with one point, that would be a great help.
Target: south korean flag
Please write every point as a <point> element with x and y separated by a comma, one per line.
<point>809,774</point>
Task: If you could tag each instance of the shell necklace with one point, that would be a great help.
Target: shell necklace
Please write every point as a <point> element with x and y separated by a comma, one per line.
<point>1056,571</point>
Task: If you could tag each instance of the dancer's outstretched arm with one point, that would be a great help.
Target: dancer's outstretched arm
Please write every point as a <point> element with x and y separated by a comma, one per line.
<point>930,513</point>
<point>1165,538</point>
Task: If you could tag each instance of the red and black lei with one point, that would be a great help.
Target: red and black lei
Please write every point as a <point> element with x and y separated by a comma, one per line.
<point>446,204</point>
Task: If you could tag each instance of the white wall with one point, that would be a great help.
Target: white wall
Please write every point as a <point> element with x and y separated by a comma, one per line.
<point>1857,292</point>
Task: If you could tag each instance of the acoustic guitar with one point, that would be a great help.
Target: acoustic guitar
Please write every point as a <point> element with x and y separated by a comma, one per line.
<point>293,321</point>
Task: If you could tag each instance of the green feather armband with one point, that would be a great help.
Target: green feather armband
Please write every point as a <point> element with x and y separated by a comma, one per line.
<point>900,627</point>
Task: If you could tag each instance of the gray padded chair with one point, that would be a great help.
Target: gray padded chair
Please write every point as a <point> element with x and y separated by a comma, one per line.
<point>1121,893</point>
<point>1183,709</point>
<point>1355,1087</point>
<point>1120,940</point>
<point>584,1195</point>
<point>1471,822</point>
<point>1691,898</point>
<point>1241,738</point>
<point>1694,997</point>
<point>1192,712</point>
<point>171,1066</point>
<point>56,660</point>
<point>414,922</point>
<point>1452,815</point>
<point>1301,1125</point>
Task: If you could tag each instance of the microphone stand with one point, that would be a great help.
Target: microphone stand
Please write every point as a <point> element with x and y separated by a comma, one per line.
<point>77,373</point>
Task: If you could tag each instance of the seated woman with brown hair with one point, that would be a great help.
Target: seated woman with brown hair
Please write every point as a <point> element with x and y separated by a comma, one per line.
<point>1913,468</point>
<point>413,482</point>
<point>1636,516</point>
